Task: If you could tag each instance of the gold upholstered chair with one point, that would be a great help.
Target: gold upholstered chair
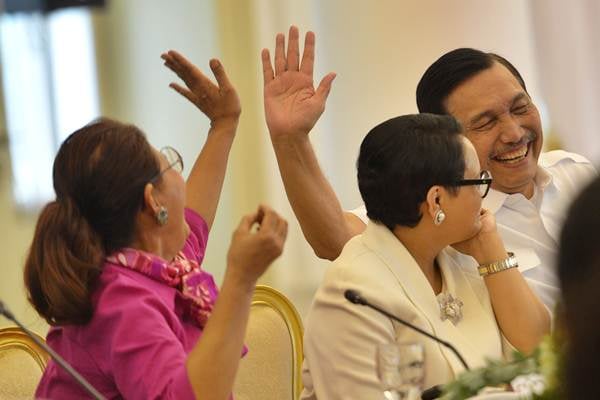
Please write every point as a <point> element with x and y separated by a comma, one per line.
<point>22,363</point>
<point>273,366</point>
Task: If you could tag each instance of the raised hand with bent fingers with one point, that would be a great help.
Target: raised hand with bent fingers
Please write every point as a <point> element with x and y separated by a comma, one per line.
<point>218,102</point>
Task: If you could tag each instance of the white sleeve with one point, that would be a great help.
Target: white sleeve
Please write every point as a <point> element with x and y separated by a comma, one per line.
<point>339,344</point>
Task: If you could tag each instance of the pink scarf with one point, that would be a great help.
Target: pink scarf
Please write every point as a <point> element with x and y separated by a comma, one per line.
<point>197,287</point>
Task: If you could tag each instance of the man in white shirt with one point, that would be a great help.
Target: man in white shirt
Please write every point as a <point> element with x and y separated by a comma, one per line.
<point>488,96</point>
<point>531,191</point>
<point>531,227</point>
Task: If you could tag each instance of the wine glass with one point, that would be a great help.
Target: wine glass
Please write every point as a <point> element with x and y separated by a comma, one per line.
<point>400,369</point>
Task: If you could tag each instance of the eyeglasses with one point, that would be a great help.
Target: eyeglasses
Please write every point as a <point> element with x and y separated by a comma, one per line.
<point>174,161</point>
<point>483,183</point>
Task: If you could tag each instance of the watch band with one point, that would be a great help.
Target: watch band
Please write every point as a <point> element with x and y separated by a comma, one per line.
<point>497,266</point>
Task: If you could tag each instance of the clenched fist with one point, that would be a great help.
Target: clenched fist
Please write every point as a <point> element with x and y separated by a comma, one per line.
<point>253,250</point>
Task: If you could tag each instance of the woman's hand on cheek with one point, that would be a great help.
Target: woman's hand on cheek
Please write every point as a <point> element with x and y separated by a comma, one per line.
<point>486,245</point>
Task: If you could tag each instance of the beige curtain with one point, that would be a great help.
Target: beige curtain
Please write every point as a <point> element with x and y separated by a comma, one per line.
<point>568,56</point>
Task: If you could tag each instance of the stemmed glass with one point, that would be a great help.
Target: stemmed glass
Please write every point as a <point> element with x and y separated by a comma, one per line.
<point>400,369</point>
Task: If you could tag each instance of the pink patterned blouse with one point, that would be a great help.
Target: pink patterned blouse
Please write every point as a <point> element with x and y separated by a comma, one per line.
<point>136,345</point>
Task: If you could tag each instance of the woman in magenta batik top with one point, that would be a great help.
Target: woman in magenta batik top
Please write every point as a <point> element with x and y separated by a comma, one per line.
<point>115,262</point>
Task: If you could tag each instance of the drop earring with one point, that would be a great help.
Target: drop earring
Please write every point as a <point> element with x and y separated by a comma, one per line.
<point>162,216</point>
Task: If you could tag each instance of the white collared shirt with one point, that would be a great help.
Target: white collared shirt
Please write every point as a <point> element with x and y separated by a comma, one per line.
<point>531,227</point>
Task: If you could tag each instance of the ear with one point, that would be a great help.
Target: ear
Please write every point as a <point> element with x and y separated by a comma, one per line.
<point>432,199</point>
<point>150,202</point>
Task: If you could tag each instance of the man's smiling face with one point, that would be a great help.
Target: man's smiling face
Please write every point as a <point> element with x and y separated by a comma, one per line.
<point>503,124</point>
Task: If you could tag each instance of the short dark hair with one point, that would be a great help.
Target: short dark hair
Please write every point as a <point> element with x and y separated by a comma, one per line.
<point>451,70</point>
<point>401,158</point>
<point>99,176</point>
<point>579,275</point>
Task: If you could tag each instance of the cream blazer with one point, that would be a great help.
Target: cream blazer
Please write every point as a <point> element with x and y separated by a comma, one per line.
<point>341,337</point>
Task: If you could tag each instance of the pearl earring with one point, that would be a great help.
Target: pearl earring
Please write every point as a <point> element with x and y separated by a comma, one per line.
<point>439,217</point>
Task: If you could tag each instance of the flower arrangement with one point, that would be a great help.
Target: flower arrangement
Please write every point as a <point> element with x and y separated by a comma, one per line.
<point>534,376</point>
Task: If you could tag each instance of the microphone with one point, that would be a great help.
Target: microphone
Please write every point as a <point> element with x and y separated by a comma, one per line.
<point>58,359</point>
<point>434,392</point>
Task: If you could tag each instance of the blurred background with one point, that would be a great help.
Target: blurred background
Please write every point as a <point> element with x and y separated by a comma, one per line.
<point>64,66</point>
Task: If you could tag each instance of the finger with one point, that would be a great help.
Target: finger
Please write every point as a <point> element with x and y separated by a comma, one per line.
<point>180,59</point>
<point>172,66</point>
<point>185,69</point>
<point>174,63</point>
<point>278,222</point>
<point>325,86</point>
<point>280,54</point>
<point>219,73</point>
<point>165,55</point>
<point>282,228</point>
<point>168,61</point>
<point>293,52</point>
<point>269,220</point>
<point>181,73</point>
<point>308,56</point>
<point>184,92</point>
<point>268,74</point>
<point>247,221</point>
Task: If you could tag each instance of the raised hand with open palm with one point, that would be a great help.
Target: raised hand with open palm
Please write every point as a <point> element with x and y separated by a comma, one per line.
<point>292,105</point>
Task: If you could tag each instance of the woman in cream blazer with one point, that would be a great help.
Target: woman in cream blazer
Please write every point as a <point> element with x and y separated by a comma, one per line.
<point>422,187</point>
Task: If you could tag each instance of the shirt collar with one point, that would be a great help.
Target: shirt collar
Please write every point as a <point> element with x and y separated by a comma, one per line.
<point>543,178</point>
<point>495,199</point>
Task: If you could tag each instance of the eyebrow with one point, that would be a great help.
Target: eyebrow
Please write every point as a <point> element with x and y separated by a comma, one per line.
<point>491,114</point>
<point>480,116</point>
<point>520,96</point>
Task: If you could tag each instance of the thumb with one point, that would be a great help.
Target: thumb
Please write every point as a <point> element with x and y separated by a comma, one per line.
<point>219,73</point>
<point>247,221</point>
<point>325,86</point>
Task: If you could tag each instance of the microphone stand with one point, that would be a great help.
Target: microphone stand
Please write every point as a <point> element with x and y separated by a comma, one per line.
<point>57,358</point>
<point>355,297</point>
<point>433,392</point>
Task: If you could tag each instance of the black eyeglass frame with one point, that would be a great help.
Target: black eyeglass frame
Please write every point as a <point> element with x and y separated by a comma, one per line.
<point>171,165</point>
<point>480,181</point>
